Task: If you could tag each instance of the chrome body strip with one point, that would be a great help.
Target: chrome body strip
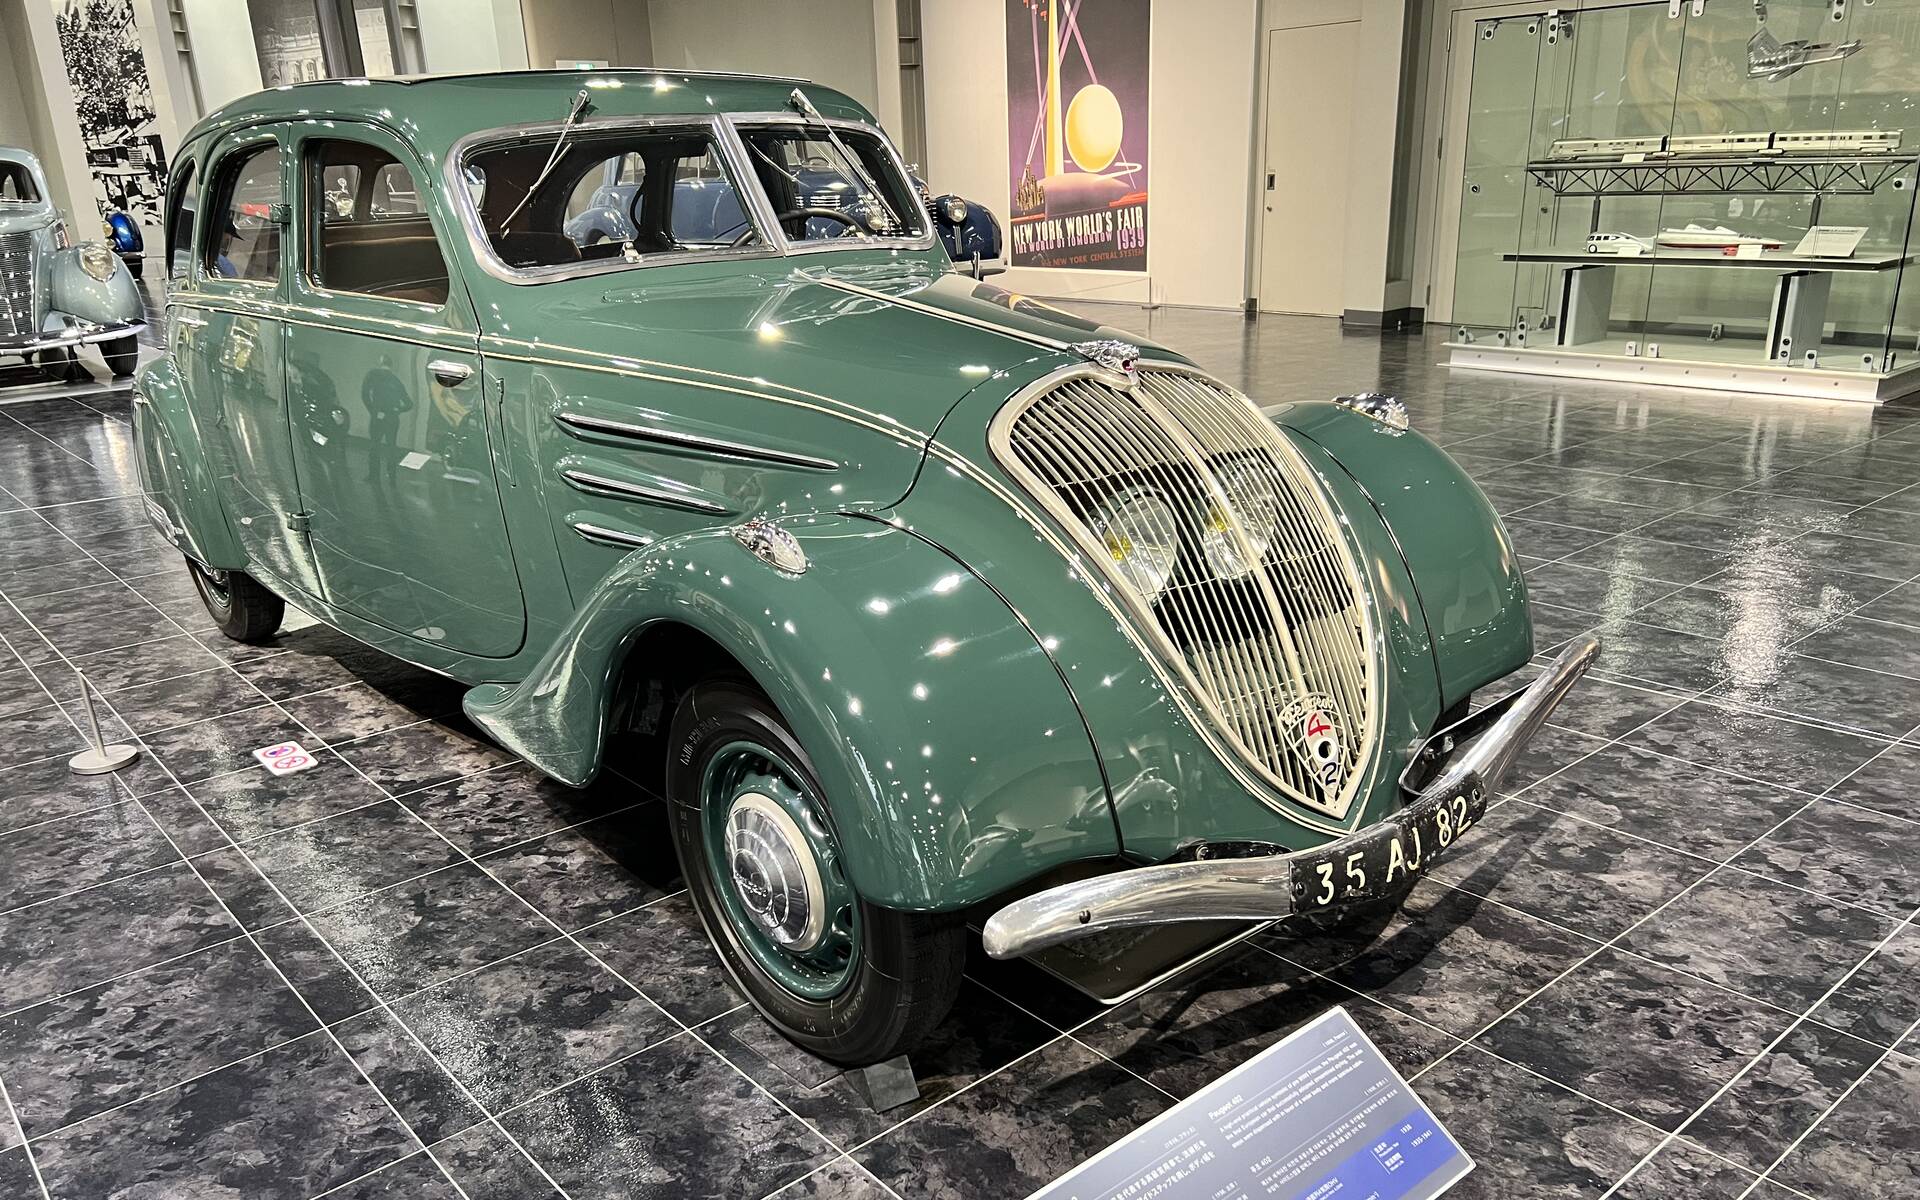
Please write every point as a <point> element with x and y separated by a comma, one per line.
<point>1261,889</point>
<point>601,485</point>
<point>611,537</point>
<point>717,447</point>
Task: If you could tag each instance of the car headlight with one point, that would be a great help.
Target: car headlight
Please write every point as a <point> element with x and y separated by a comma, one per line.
<point>954,209</point>
<point>96,259</point>
<point>1142,536</point>
<point>1258,507</point>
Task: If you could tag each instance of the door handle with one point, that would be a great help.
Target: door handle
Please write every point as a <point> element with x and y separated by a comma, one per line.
<point>448,372</point>
<point>189,320</point>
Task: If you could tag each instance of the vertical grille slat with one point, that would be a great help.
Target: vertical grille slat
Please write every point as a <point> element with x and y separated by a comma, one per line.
<point>1260,648</point>
<point>16,285</point>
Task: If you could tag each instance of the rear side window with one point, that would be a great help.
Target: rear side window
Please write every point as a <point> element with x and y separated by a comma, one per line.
<point>182,199</point>
<point>368,231</point>
<point>244,242</point>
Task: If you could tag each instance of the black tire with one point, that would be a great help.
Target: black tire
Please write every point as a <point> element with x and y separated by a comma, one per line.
<point>906,975</point>
<point>134,266</point>
<point>60,365</point>
<point>245,611</point>
<point>122,355</point>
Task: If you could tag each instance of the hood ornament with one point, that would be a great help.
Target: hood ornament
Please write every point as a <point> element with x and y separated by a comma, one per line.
<point>1122,358</point>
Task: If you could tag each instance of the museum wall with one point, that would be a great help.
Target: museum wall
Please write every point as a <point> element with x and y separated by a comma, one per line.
<point>30,52</point>
<point>831,41</point>
<point>615,32</point>
<point>1200,136</point>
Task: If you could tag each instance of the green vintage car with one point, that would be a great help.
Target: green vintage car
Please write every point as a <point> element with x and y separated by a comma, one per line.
<point>925,604</point>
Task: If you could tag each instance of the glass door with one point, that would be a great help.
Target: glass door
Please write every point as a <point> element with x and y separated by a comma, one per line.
<point>1493,195</point>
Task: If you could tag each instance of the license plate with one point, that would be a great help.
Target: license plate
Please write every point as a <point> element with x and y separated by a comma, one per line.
<point>1401,849</point>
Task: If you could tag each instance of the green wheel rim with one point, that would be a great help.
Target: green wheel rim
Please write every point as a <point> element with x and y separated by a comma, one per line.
<point>775,867</point>
<point>216,584</point>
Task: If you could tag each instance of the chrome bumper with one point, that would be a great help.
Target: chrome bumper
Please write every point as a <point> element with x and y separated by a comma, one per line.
<point>1262,889</point>
<point>80,334</point>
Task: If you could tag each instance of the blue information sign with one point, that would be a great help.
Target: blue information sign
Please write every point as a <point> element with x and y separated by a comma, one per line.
<point>1319,1116</point>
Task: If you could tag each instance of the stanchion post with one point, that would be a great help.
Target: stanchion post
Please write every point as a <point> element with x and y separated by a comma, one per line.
<point>98,758</point>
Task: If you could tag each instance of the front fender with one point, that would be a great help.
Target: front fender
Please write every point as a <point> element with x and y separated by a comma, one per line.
<point>174,473</point>
<point>109,302</point>
<point>1459,555</point>
<point>954,757</point>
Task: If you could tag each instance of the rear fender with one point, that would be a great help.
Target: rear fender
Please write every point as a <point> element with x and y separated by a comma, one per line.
<point>954,758</point>
<point>174,473</point>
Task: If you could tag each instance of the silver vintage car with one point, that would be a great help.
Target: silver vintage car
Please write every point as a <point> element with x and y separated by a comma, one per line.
<point>56,296</point>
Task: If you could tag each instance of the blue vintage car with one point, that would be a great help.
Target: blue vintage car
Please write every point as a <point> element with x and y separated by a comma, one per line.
<point>56,296</point>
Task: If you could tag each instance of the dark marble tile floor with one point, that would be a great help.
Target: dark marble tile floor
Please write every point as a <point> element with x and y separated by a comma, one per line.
<point>1680,958</point>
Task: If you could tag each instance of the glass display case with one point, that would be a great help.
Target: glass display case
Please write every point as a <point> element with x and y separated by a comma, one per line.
<point>1715,193</point>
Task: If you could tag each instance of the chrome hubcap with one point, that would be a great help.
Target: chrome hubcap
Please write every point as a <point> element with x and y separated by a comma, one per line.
<point>774,871</point>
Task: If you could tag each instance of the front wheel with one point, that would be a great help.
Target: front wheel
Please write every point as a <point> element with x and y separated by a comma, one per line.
<point>122,355</point>
<point>244,611</point>
<point>851,981</point>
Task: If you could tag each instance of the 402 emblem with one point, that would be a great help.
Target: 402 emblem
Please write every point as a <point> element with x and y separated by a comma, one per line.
<point>1313,724</point>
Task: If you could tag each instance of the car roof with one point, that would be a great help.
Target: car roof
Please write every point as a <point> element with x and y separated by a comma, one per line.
<point>437,110</point>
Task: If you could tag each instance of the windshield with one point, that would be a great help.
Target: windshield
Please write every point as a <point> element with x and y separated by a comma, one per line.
<point>611,196</point>
<point>16,183</point>
<point>822,193</point>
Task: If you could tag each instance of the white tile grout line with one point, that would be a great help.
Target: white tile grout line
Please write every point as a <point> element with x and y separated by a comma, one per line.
<point>461,851</point>
<point>1767,1175</point>
<point>1610,943</point>
<point>1518,1066</point>
<point>1661,907</point>
<point>26,1148</point>
<point>588,952</point>
<point>1753,1062</point>
<point>265,957</point>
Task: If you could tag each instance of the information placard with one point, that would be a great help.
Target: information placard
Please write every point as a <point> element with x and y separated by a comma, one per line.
<point>1320,1115</point>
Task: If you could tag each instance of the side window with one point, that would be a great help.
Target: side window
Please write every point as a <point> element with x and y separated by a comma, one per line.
<point>245,241</point>
<point>182,199</point>
<point>370,233</point>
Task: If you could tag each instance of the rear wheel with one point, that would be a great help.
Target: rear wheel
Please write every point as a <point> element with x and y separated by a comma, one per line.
<point>851,981</point>
<point>245,611</point>
<point>122,355</point>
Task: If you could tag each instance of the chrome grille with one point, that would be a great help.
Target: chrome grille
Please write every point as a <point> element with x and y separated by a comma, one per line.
<point>1281,657</point>
<point>16,285</point>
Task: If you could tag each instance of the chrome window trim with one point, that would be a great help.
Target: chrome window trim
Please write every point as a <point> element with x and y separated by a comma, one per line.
<point>310,220</point>
<point>924,241</point>
<point>1138,612</point>
<point>481,246</point>
<point>272,133</point>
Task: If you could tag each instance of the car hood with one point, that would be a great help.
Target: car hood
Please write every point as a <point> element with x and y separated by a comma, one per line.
<point>882,341</point>
<point>24,218</point>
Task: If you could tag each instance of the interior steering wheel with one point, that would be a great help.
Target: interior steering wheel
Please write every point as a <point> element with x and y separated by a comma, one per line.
<point>832,214</point>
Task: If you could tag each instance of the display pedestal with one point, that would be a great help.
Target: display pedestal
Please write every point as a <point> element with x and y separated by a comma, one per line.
<point>1693,363</point>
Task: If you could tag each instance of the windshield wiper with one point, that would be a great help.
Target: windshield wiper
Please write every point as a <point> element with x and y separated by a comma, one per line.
<point>805,106</point>
<point>581,103</point>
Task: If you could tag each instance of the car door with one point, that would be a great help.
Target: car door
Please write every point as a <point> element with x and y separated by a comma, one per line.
<point>226,337</point>
<point>388,400</point>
